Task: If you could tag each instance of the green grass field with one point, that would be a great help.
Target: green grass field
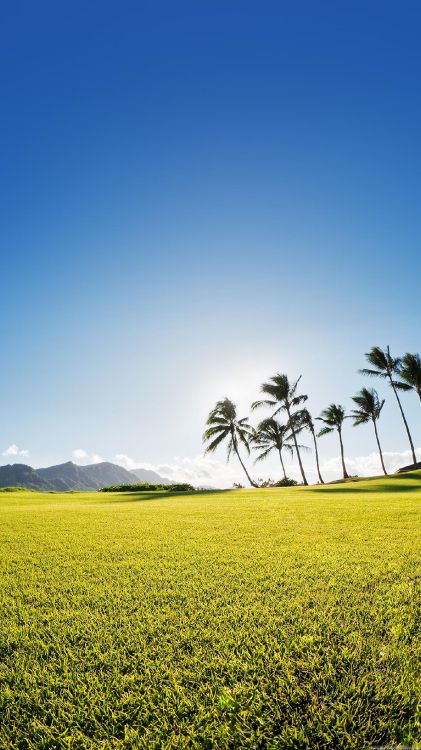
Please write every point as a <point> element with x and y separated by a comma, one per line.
<point>265,619</point>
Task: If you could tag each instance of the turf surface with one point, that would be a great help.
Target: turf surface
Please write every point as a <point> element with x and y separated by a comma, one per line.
<point>265,619</point>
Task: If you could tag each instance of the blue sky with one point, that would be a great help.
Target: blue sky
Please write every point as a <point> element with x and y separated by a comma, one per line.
<point>194,196</point>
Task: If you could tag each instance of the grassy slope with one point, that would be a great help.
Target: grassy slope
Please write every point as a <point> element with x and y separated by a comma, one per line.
<point>249,619</point>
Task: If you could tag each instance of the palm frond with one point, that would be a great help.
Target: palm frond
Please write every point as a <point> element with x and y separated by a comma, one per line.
<point>370,406</point>
<point>297,400</point>
<point>303,421</point>
<point>214,419</point>
<point>213,431</point>
<point>333,416</point>
<point>402,386</point>
<point>304,448</point>
<point>372,373</point>
<point>359,418</point>
<point>264,402</point>
<point>218,440</point>
<point>264,454</point>
<point>382,361</point>
<point>410,371</point>
<point>280,391</point>
<point>324,431</point>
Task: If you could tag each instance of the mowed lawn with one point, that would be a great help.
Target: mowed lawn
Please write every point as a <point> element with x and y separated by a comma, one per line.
<point>264,619</point>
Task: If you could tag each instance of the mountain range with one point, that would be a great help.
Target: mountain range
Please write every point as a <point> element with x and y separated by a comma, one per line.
<point>70,476</point>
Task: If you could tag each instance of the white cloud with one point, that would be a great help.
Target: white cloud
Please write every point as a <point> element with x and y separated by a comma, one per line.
<point>13,450</point>
<point>82,457</point>
<point>128,463</point>
<point>370,465</point>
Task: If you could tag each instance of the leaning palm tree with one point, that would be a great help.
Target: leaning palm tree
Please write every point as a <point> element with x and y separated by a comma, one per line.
<point>410,372</point>
<point>283,395</point>
<point>333,417</point>
<point>369,409</point>
<point>306,423</point>
<point>386,366</point>
<point>223,423</point>
<point>273,435</point>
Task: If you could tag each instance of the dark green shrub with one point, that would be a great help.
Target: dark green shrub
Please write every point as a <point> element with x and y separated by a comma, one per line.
<point>285,482</point>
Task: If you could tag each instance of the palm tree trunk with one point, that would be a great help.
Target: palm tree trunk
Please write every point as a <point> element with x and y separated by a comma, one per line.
<point>317,458</point>
<point>414,458</point>
<point>296,447</point>
<point>253,484</point>
<point>282,463</point>
<point>380,450</point>
<point>346,475</point>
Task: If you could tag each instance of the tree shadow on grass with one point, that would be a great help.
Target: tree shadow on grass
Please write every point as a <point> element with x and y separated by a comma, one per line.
<point>140,497</point>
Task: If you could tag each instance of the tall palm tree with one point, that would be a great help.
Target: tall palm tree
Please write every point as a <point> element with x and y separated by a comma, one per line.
<point>306,422</point>
<point>272,435</point>
<point>410,372</point>
<point>223,423</point>
<point>333,417</point>
<point>385,366</point>
<point>283,394</point>
<point>369,408</point>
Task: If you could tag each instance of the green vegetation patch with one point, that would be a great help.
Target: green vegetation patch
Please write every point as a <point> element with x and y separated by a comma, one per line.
<point>265,619</point>
<point>14,489</point>
<point>148,487</point>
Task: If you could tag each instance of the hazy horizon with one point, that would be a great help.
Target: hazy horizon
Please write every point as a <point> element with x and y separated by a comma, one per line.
<point>204,470</point>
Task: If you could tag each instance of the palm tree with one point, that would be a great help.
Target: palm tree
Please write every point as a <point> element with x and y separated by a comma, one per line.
<point>369,409</point>
<point>283,394</point>
<point>223,423</point>
<point>386,366</point>
<point>333,417</point>
<point>307,423</point>
<point>410,372</point>
<point>272,435</point>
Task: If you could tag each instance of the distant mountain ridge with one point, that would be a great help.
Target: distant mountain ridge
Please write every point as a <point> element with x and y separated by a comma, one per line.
<point>147,475</point>
<point>21,475</point>
<point>70,476</point>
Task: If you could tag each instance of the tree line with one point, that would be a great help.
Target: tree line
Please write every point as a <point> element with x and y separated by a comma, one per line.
<point>281,396</point>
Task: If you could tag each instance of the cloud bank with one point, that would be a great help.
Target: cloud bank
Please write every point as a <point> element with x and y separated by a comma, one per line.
<point>14,451</point>
<point>370,465</point>
<point>200,470</point>
<point>208,471</point>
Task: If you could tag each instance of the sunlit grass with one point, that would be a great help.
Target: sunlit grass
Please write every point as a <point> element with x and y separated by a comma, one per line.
<point>246,619</point>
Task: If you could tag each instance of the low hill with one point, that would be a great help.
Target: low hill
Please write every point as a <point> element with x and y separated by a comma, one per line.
<point>411,467</point>
<point>21,475</point>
